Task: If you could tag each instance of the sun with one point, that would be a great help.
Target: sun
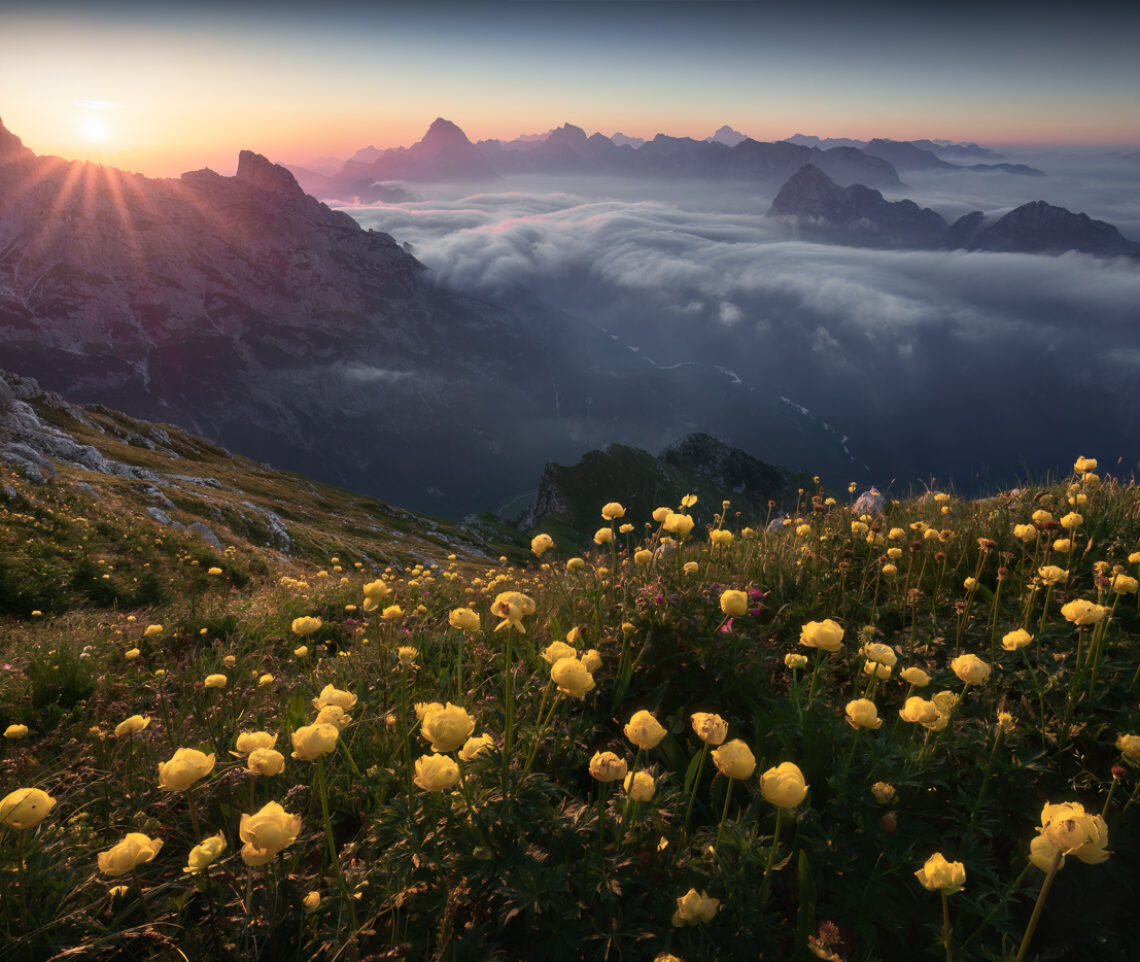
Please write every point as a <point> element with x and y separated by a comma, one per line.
<point>95,129</point>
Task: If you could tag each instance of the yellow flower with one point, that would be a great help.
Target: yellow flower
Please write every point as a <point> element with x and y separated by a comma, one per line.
<point>613,511</point>
<point>603,536</point>
<point>229,661</point>
<point>406,655</point>
<point>792,660</point>
<point>16,731</point>
<point>783,786</point>
<point>1062,545</point>
<point>970,669</point>
<point>266,833</point>
<point>720,538</point>
<point>862,713</point>
<point>185,767</point>
<point>1124,585</point>
<point>264,680</point>
<point>877,669</point>
<point>301,651</point>
<point>434,772</point>
<point>607,767</point>
<point>1072,521</point>
<point>246,742</point>
<point>464,619</point>
<point>640,786</point>
<point>572,677</point>
<point>1073,831</point>
<point>131,726</point>
<point>691,567</point>
<point>204,853</point>
<point>915,676</point>
<point>734,759</point>
<point>1052,575</point>
<point>694,908</point>
<point>576,564</point>
<point>688,500</point>
<point>331,695</point>
<point>375,594</point>
<point>540,544</point>
<point>945,702</point>
<point>1083,465</point>
<point>1016,639</point>
<point>938,875</point>
<point>311,742</point>
<point>25,807</point>
<point>131,654</point>
<point>558,650</point>
<point>512,607</point>
<point>392,613</point>
<point>1134,558</point>
<point>265,761</point>
<point>1129,746</point>
<point>306,625</point>
<point>1042,852</point>
<point>733,602</point>
<point>1025,532</point>
<point>152,631</point>
<point>918,710</point>
<point>884,792</point>
<point>447,728</point>
<point>476,746</point>
<point>883,654</point>
<point>826,635</point>
<point>312,901</point>
<point>1081,612</point>
<point>970,584</point>
<point>643,557</point>
<point>216,681</point>
<point>214,571</point>
<point>128,854</point>
<point>678,525</point>
<point>710,728</point>
<point>644,731</point>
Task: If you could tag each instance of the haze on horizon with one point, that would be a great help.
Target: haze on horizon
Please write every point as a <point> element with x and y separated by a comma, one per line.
<point>163,89</point>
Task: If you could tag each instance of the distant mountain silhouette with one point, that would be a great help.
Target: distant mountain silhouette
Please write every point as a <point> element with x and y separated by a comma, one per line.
<point>906,156</point>
<point>817,208</point>
<point>445,153</point>
<point>854,215</point>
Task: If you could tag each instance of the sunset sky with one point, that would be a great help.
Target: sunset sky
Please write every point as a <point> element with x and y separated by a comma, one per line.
<point>163,88</point>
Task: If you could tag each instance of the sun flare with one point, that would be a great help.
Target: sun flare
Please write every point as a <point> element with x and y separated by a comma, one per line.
<point>95,129</point>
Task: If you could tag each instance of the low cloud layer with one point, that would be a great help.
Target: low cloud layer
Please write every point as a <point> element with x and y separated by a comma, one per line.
<point>931,362</point>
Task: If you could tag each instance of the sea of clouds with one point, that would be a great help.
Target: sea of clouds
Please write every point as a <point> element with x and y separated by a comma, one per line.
<point>977,367</point>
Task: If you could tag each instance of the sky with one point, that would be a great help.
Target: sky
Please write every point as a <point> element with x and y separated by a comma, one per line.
<point>164,88</point>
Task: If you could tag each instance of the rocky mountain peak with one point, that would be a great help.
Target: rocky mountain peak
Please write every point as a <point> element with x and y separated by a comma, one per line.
<point>444,135</point>
<point>257,171</point>
<point>11,147</point>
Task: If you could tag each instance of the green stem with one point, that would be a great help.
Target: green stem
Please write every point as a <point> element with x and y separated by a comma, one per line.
<point>696,784</point>
<point>724,812</point>
<point>771,857</point>
<point>1039,906</point>
<point>946,925</point>
<point>985,783</point>
<point>333,857</point>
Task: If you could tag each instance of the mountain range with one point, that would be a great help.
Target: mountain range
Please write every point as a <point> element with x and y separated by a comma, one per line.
<point>446,154</point>
<point>819,209</point>
<point>249,313</point>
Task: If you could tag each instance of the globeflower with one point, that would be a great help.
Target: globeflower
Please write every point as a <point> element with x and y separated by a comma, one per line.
<point>311,742</point>
<point>709,728</point>
<point>1124,585</point>
<point>678,525</point>
<point>1083,465</point>
<point>720,538</point>
<point>464,619</point>
<point>1016,639</point>
<point>127,855</point>
<point>1129,746</point>
<point>185,767</point>
<point>265,761</point>
<point>1025,532</point>
<point>266,833</point>
<point>512,607</point>
<point>375,594</point>
<point>447,728</point>
<point>792,660</point>
<point>1052,575</point>
<point>572,677</point>
<point>152,631</point>
<point>1071,521</point>
<point>825,635</point>
<point>915,676</point>
<point>603,535</point>
<point>330,695</point>
<point>1081,612</point>
<point>540,544</point>
<point>733,603</point>
<point>734,759</point>
<point>216,681</point>
<point>783,785</point>
<point>613,511</point>
<point>639,786</point>
<point>131,726</point>
<point>306,625</point>
<point>644,731</point>
<point>862,713</point>
<point>694,908</point>
<point>25,807</point>
<point>607,767</point>
<point>476,746</point>
<point>970,669</point>
<point>918,710</point>
<point>246,742</point>
<point>205,853</point>
<point>883,654</point>
<point>16,731</point>
<point>435,772</point>
<point>1073,831</point>
<point>938,875</point>
<point>884,792</point>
